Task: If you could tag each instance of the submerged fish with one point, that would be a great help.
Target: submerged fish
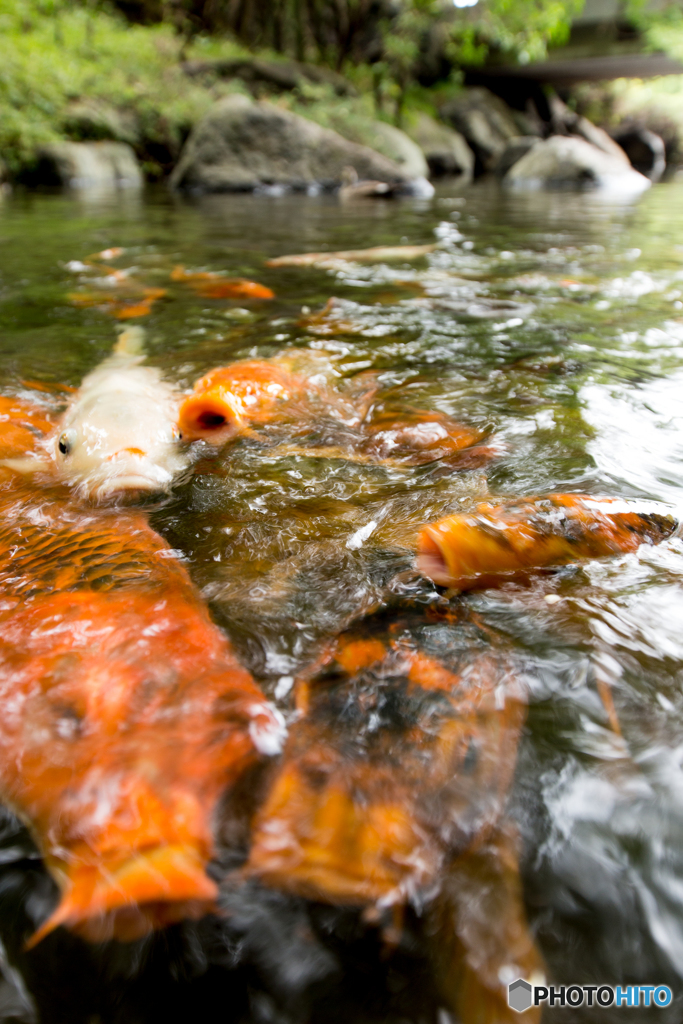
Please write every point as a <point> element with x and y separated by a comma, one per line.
<point>392,790</point>
<point>375,255</point>
<point>22,424</point>
<point>214,286</point>
<point>126,716</point>
<point>498,541</point>
<point>415,437</point>
<point>119,434</point>
<point>128,303</point>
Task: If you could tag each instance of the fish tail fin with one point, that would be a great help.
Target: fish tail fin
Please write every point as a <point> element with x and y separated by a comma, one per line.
<point>131,342</point>
<point>148,890</point>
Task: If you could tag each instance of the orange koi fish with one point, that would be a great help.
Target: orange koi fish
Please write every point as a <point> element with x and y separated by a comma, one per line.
<point>393,783</point>
<point>130,302</point>
<point>21,425</point>
<point>214,286</point>
<point>417,436</point>
<point>231,398</point>
<point>501,540</point>
<point>126,716</point>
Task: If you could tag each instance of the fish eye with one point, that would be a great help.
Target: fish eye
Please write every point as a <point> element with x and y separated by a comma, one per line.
<point>177,433</point>
<point>66,441</point>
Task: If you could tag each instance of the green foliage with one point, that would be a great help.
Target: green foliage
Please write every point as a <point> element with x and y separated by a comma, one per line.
<point>80,72</point>
<point>518,29</point>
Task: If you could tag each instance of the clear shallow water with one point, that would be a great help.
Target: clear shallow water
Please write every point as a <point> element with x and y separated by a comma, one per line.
<point>552,322</point>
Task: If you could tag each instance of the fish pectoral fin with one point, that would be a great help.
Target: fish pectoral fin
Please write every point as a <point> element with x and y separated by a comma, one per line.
<point>146,891</point>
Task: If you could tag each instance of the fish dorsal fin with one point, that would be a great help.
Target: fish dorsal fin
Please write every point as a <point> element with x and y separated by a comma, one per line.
<point>131,342</point>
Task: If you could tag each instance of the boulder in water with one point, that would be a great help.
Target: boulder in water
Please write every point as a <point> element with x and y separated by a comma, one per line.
<point>398,146</point>
<point>564,161</point>
<point>485,121</point>
<point>445,150</point>
<point>241,145</point>
<point>86,165</point>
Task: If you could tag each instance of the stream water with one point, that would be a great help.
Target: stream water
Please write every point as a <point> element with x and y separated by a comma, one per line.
<point>551,322</point>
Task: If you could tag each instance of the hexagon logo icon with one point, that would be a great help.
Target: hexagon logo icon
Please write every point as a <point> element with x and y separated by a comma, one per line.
<point>519,995</point>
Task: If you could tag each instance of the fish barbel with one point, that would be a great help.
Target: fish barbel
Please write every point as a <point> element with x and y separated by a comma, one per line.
<point>498,541</point>
<point>391,791</point>
<point>119,434</point>
<point>126,716</point>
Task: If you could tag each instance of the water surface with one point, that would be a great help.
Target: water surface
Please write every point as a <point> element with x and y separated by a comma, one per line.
<point>554,324</point>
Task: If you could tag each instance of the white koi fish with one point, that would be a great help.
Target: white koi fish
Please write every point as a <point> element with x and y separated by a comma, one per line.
<point>119,436</point>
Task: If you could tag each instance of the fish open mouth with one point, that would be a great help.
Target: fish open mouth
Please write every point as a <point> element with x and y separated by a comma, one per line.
<point>431,562</point>
<point>212,415</point>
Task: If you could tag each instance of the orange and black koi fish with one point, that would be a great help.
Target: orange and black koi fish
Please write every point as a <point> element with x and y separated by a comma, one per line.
<point>499,541</point>
<point>126,716</point>
<point>392,783</point>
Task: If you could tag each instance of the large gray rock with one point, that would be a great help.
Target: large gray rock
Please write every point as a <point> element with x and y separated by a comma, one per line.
<point>445,150</point>
<point>564,161</point>
<point>485,121</point>
<point>241,145</point>
<point>87,165</point>
<point>398,146</point>
<point>93,119</point>
<point>567,122</point>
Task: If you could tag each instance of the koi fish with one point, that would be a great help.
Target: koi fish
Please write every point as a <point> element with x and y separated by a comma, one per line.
<point>214,286</point>
<point>131,302</point>
<point>119,433</point>
<point>230,399</point>
<point>417,436</point>
<point>375,255</point>
<point>22,424</point>
<point>501,540</point>
<point>392,784</point>
<point>126,716</point>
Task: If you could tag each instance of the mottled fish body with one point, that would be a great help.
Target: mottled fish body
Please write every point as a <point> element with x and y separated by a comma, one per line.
<point>499,540</point>
<point>126,716</point>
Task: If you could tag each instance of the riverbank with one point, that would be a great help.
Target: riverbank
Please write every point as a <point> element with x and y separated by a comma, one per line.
<point>82,75</point>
